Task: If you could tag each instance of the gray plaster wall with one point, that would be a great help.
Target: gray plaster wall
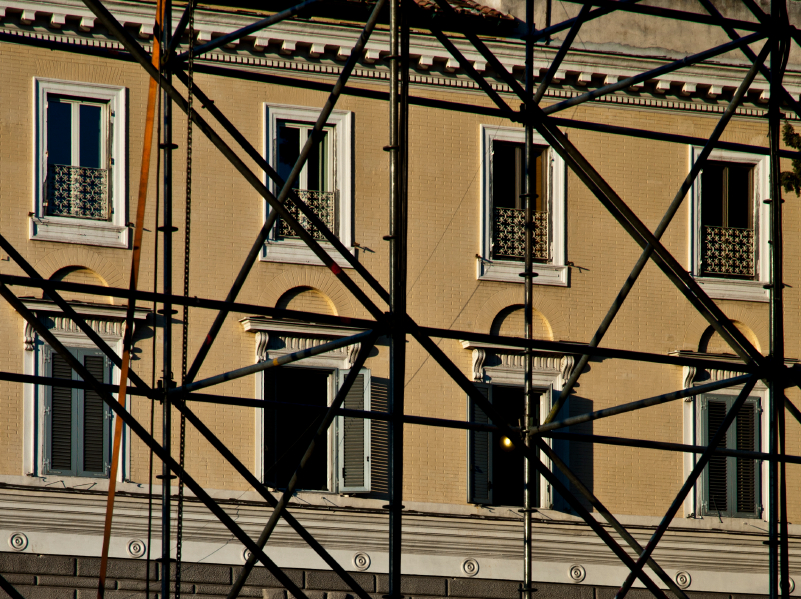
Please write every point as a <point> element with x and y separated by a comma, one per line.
<point>646,35</point>
<point>63,577</point>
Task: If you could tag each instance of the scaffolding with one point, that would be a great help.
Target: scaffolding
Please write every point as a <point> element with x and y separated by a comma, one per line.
<point>775,33</point>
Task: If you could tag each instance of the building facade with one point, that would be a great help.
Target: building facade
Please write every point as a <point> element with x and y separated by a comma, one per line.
<point>72,109</point>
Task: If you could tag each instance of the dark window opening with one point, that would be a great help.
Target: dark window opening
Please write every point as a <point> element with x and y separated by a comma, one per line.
<point>497,470</point>
<point>288,430</point>
<point>508,214</point>
<point>728,239</point>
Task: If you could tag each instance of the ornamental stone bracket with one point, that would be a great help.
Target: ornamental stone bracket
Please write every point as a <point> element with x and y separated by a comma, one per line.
<point>506,365</point>
<point>276,338</point>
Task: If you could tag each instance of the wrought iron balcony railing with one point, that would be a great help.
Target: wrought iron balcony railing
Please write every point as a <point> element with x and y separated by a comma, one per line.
<point>508,234</point>
<point>77,192</point>
<point>727,252</point>
<point>322,203</point>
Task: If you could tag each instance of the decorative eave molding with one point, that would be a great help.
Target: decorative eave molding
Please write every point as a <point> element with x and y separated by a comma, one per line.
<point>544,363</point>
<point>281,337</point>
<point>715,374</point>
<point>290,44</point>
<point>105,320</point>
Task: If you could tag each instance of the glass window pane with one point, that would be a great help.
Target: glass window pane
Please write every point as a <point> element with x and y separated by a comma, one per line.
<point>506,175</point>
<point>316,167</point>
<point>712,194</point>
<point>288,150</point>
<point>59,132</point>
<point>739,188</point>
<point>90,146</point>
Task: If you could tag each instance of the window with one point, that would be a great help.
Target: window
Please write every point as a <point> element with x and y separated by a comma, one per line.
<point>495,470</point>
<point>503,218</point>
<point>288,430</point>
<point>730,235</point>
<point>77,423</point>
<point>324,183</point>
<point>730,486</point>
<point>80,164</point>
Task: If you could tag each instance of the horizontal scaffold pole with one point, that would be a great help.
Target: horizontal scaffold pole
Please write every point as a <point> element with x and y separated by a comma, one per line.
<point>275,362</point>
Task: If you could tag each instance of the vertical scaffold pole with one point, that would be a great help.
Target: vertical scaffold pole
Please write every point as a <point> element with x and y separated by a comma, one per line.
<point>529,474</point>
<point>776,393</point>
<point>166,145</point>
<point>397,291</point>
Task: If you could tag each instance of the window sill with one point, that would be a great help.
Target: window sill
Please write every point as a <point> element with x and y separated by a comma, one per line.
<point>729,289</point>
<point>297,252</point>
<point>67,230</point>
<point>509,272</point>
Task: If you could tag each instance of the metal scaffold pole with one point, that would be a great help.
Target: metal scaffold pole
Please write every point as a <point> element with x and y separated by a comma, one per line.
<point>777,584</point>
<point>531,420</point>
<point>397,287</point>
<point>167,147</point>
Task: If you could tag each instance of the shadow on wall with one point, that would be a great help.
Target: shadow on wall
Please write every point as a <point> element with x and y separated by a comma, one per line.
<point>582,459</point>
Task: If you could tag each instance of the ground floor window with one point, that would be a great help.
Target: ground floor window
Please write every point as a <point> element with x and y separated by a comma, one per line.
<point>342,464</point>
<point>495,470</point>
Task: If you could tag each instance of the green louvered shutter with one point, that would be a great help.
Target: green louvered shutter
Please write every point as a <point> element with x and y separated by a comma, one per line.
<point>353,442</point>
<point>480,453</point>
<point>717,470</point>
<point>746,468</point>
<point>95,431</point>
<point>61,418</point>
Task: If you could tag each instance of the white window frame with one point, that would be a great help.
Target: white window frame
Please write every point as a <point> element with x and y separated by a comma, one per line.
<point>112,233</point>
<point>295,251</point>
<point>733,289</point>
<point>77,424</point>
<point>337,362</point>
<point>695,435</point>
<point>549,374</point>
<point>107,321</point>
<point>555,271</point>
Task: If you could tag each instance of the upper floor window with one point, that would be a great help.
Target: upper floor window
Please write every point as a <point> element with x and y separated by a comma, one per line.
<point>503,216</point>
<point>324,184</point>
<point>730,226</point>
<point>727,220</point>
<point>80,164</point>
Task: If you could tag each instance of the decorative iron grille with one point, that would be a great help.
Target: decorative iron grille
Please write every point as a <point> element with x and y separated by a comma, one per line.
<point>508,234</point>
<point>322,203</point>
<point>727,252</point>
<point>77,192</point>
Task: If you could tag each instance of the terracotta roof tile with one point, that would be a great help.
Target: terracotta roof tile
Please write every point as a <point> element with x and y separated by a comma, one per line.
<point>466,7</point>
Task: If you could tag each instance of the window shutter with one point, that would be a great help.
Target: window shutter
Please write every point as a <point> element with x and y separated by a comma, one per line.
<point>94,421</point>
<point>480,453</point>
<point>717,470</point>
<point>61,425</point>
<point>746,468</point>
<point>353,440</point>
<point>270,437</point>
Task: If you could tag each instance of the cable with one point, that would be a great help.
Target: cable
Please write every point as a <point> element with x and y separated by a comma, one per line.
<point>185,329</point>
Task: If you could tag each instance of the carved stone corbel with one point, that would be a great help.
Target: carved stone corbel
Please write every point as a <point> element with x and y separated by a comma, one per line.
<point>262,339</point>
<point>479,355</point>
<point>29,337</point>
<point>688,376</point>
<point>353,351</point>
<point>566,366</point>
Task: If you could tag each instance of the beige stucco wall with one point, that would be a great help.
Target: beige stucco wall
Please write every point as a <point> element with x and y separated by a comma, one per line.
<point>444,203</point>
